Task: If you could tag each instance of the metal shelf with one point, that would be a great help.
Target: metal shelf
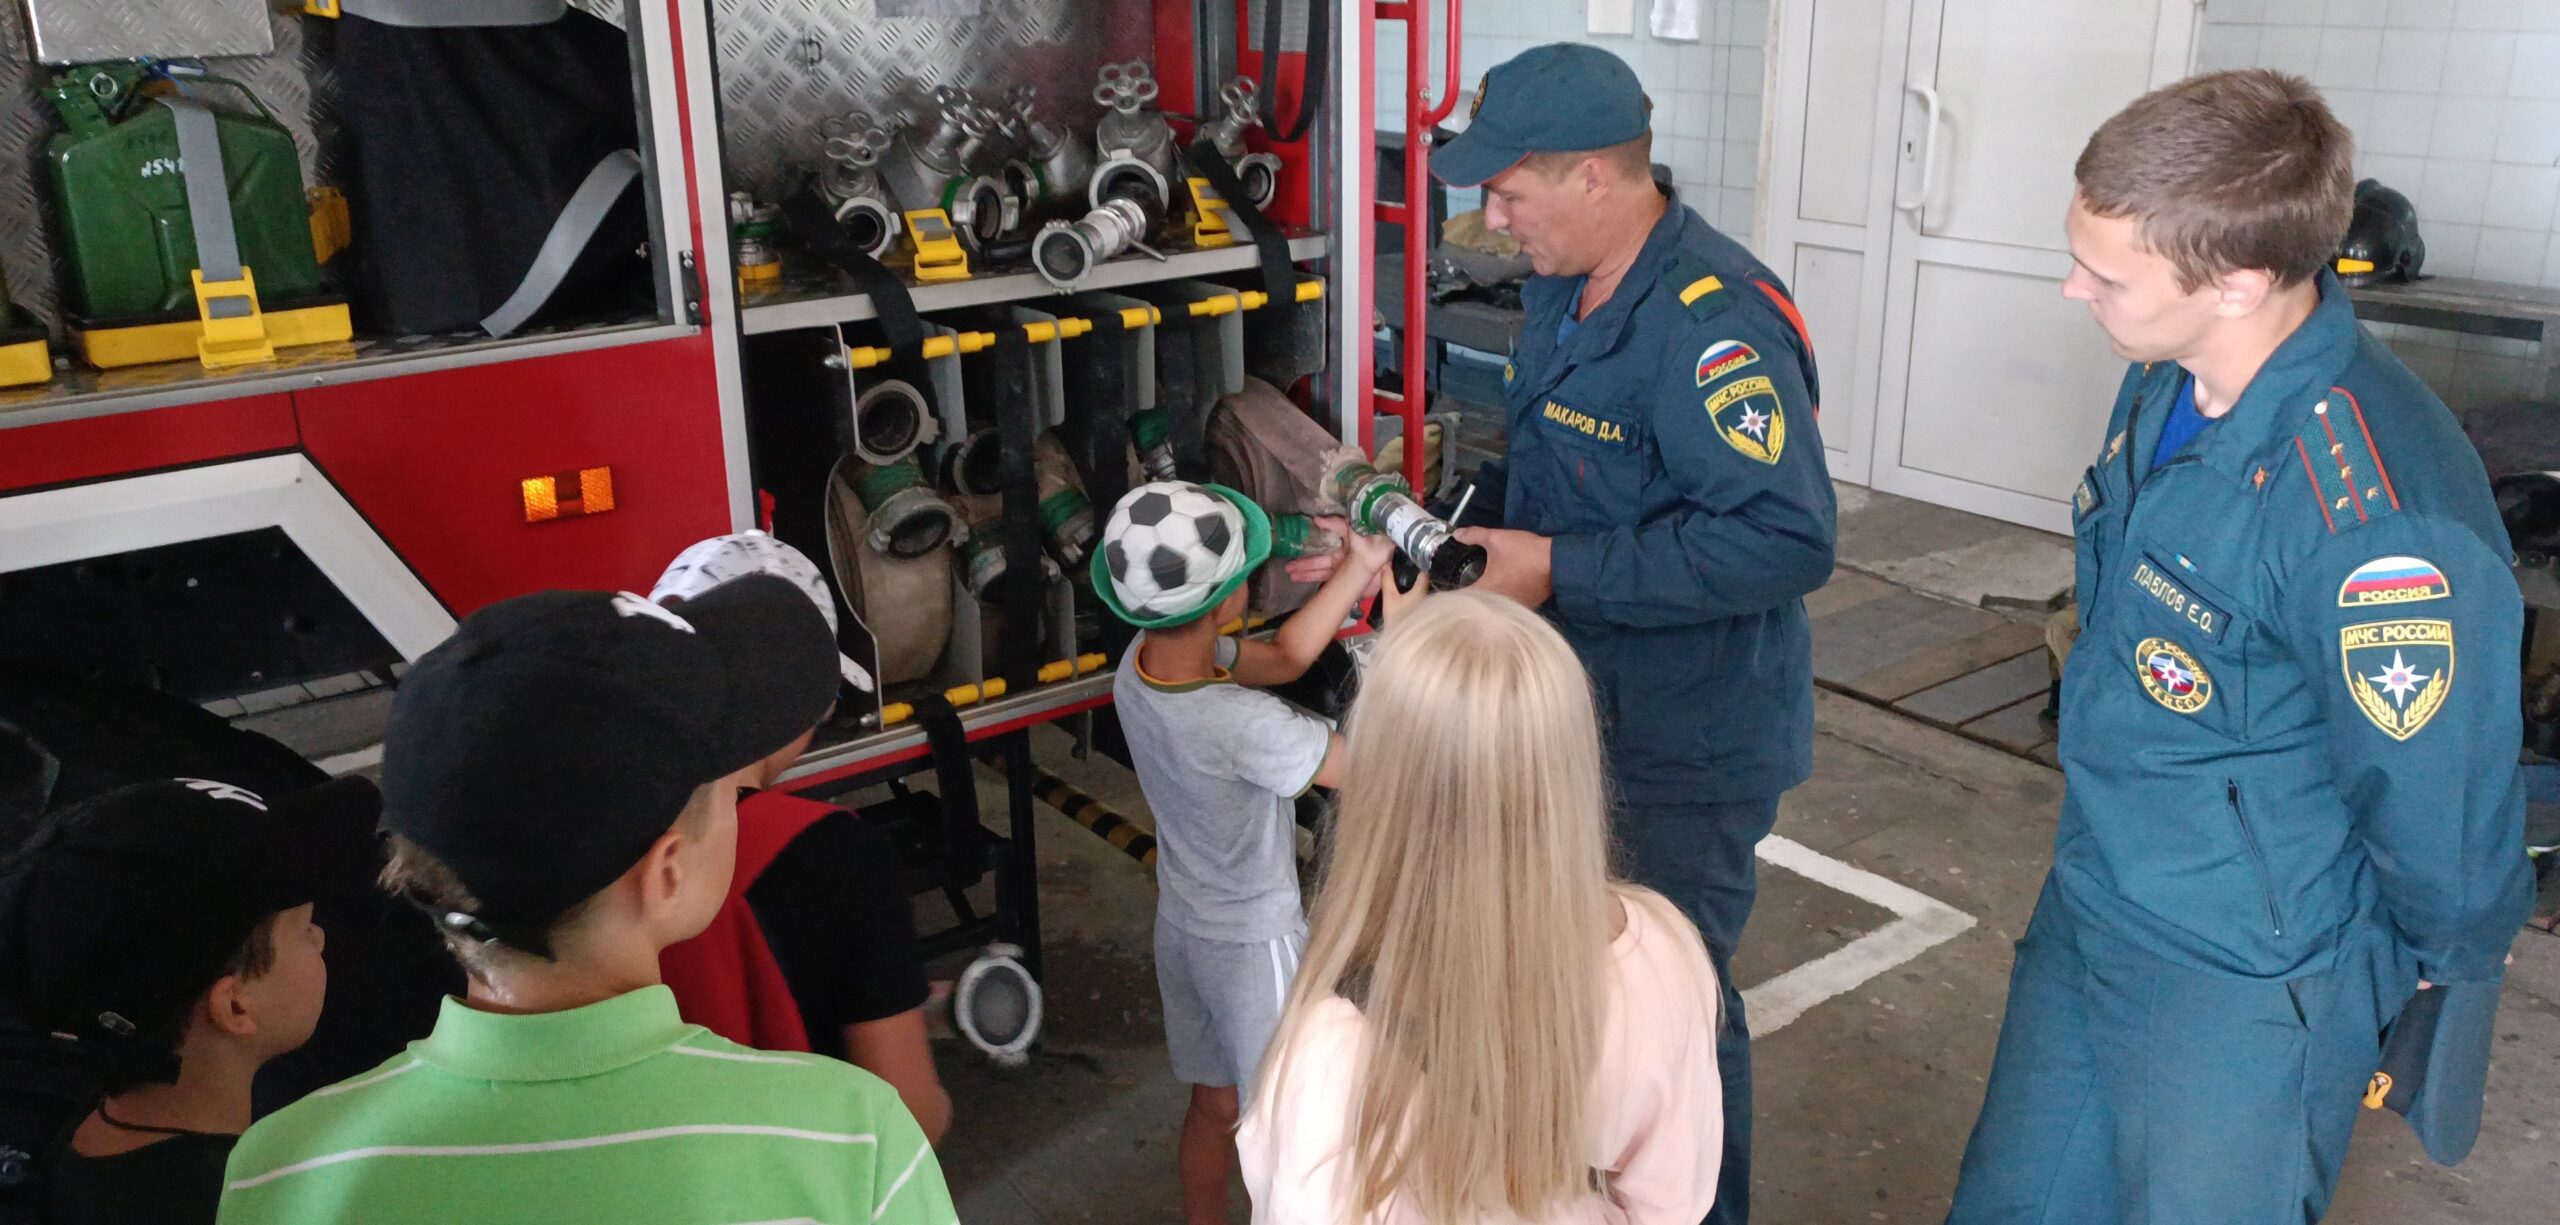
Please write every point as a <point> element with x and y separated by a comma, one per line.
<point>82,392</point>
<point>805,304</point>
<point>907,739</point>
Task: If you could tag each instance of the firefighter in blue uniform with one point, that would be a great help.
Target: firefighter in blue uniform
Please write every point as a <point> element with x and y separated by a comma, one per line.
<point>2290,722</point>
<point>1667,501</point>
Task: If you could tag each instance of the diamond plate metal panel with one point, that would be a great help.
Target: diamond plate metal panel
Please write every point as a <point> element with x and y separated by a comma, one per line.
<point>80,31</point>
<point>291,80</point>
<point>787,66</point>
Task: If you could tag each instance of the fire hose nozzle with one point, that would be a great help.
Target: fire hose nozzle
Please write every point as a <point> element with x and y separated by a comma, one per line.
<point>1381,504</point>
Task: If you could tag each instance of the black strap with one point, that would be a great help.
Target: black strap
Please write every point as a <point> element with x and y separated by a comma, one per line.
<point>955,777</point>
<point>825,237</point>
<point>1098,379</point>
<point>1268,242</point>
<point>1319,50</point>
<point>1017,432</point>
<point>1179,376</point>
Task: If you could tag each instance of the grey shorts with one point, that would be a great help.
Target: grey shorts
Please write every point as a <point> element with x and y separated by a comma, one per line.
<point>1222,1001</point>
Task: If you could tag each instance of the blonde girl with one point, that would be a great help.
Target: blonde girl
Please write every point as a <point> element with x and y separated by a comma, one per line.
<point>1485,1026</point>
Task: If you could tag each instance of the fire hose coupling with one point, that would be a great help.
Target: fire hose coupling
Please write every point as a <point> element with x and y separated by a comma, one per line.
<point>908,520</point>
<point>1066,515</point>
<point>1151,434</point>
<point>1379,503</point>
<point>850,181</point>
<point>1065,251</point>
<point>1259,172</point>
<point>982,567</point>
<point>1294,536</point>
<point>890,421</point>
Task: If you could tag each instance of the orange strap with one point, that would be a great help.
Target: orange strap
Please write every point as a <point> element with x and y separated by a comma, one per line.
<point>1795,319</point>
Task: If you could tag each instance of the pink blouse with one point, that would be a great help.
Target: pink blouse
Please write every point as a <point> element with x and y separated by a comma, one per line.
<point>1659,1133</point>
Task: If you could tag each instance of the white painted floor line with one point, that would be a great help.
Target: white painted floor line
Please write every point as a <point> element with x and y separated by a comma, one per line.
<point>1920,923</point>
<point>348,763</point>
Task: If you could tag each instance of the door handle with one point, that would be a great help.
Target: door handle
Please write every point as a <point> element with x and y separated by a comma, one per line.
<point>1928,152</point>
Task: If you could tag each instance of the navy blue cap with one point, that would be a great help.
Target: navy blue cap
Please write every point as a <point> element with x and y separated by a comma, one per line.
<point>1559,98</point>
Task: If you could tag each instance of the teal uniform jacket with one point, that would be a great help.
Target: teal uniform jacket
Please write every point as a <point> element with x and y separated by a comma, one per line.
<point>2292,711</point>
<point>1669,447</point>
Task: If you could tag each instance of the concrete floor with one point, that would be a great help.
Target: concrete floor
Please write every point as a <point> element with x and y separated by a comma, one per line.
<point>1864,1102</point>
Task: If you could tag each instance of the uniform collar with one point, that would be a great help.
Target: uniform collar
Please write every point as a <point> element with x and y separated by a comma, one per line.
<point>2280,399</point>
<point>1601,332</point>
<point>589,1041</point>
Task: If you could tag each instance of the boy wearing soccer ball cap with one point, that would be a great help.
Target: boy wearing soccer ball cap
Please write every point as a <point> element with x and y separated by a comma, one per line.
<point>1221,764</point>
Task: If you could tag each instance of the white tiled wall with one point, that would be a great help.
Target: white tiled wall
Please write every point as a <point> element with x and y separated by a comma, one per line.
<point>2457,104</point>
<point>1706,94</point>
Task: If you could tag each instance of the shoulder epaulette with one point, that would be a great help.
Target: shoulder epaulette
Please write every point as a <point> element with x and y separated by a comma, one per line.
<point>2347,475</point>
<point>1702,293</point>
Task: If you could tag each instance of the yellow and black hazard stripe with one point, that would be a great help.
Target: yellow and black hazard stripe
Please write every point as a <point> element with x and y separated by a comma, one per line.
<point>1095,815</point>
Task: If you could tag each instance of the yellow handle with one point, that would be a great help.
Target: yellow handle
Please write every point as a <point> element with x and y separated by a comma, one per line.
<point>1043,332</point>
<point>2378,1092</point>
<point>994,687</point>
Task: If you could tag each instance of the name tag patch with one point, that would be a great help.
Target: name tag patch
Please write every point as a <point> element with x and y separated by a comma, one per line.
<point>1597,429</point>
<point>2181,600</point>
<point>1748,417</point>
<point>2393,580</point>
<point>2398,671</point>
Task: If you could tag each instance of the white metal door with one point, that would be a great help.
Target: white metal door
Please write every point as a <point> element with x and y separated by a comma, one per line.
<point>1920,170</point>
<point>1829,200</point>
<point>1994,387</point>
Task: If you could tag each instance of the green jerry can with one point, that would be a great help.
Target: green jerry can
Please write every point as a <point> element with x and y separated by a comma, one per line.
<point>129,238</point>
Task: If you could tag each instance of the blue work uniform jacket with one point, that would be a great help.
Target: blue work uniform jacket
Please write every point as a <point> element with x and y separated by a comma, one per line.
<point>2293,707</point>
<point>1669,448</point>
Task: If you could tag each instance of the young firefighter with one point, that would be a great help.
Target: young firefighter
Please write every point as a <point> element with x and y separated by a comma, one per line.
<point>165,930</point>
<point>2284,812</point>
<point>560,782</point>
<point>1220,763</point>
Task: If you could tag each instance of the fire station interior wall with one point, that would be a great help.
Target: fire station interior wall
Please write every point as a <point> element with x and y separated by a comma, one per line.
<point>2456,105</point>
<point>1706,93</point>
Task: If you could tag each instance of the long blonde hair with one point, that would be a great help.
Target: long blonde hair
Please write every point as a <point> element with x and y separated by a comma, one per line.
<point>1466,911</point>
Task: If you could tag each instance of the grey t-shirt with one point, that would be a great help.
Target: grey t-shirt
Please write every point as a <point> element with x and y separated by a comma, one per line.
<point>1221,765</point>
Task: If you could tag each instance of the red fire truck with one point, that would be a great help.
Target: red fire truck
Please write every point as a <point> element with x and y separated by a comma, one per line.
<point>221,529</point>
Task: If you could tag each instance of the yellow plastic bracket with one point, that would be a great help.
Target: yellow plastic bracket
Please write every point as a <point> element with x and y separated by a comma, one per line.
<point>939,256</point>
<point>320,8</point>
<point>1045,332</point>
<point>864,357</point>
<point>1134,317</point>
<point>1211,308</point>
<point>1311,290</point>
<point>331,228</point>
<point>25,362</point>
<point>236,337</point>
<point>1209,217</point>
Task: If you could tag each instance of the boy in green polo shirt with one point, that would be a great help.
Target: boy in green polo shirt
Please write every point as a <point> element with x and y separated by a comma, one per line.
<point>560,783</point>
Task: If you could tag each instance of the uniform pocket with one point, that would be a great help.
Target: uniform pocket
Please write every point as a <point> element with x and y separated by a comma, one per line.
<point>2190,641</point>
<point>1600,465</point>
<point>2257,855</point>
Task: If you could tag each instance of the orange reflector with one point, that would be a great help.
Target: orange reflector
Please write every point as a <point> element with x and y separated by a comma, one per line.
<point>587,491</point>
